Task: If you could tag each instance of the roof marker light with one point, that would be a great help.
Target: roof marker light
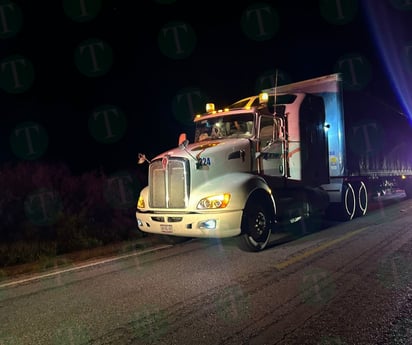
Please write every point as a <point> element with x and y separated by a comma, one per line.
<point>210,107</point>
<point>263,97</point>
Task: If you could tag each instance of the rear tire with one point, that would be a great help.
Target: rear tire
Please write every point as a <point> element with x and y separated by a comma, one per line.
<point>361,200</point>
<point>344,210</point>
<point>408,189</point>
<point>256,226</point>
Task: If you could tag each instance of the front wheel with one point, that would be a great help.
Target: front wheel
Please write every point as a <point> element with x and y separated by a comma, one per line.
<point>256,227</point>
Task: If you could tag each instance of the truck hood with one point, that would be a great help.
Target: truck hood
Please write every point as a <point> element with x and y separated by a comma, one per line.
<point>217,149</point>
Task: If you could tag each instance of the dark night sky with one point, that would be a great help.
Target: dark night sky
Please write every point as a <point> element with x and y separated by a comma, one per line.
<point>140,73</point>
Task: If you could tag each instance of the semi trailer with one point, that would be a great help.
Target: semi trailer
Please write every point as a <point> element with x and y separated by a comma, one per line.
<point>285,156</point>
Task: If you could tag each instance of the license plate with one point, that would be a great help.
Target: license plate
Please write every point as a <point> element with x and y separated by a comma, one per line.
<point>166,228</point>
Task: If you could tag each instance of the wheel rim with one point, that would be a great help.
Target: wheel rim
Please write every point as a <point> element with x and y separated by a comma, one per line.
<point>258,229</point>
<point>350,201</point>
<point>362,199</point>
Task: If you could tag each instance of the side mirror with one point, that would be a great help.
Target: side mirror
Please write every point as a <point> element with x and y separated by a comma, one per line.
<point>182,138</point>
<point>184,144</point>
<point>141,158</point>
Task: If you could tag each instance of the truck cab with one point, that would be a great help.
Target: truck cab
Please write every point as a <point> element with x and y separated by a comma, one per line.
<point>250,167</point>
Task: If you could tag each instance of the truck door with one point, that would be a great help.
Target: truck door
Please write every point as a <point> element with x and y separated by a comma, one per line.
<point>272,147</point>
<point>315,166</point>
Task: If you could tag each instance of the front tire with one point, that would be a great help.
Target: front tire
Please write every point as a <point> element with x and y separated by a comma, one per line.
<point>256,226</point>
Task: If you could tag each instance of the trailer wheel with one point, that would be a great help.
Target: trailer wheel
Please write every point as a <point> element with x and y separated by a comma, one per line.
<point>345,209</point>
<point>408,190</point>
<point>362,199</point>
<point>348,204</point>
<point>256,226</point>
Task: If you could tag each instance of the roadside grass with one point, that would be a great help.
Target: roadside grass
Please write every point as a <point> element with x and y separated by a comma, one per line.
<point>52,218</point>
<point>50,262</point>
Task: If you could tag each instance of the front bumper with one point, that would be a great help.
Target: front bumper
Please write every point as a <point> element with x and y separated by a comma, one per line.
<point>203,225</point>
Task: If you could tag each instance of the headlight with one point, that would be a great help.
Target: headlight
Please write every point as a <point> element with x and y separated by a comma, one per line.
<point>140,202</point>
<point>214,201</point>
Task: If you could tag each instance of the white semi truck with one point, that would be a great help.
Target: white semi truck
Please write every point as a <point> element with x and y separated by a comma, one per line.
<point>265,161</point>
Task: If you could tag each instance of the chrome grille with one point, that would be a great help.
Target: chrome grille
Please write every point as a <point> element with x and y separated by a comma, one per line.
<point>169,184</point>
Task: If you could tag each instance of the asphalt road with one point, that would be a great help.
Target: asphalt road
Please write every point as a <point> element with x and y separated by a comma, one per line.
<point>350,283</point>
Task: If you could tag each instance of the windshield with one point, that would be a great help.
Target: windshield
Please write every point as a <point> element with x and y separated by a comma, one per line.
<point>233,126</point>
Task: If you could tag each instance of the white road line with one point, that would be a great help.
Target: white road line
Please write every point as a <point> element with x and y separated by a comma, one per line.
<point>100,262</point>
